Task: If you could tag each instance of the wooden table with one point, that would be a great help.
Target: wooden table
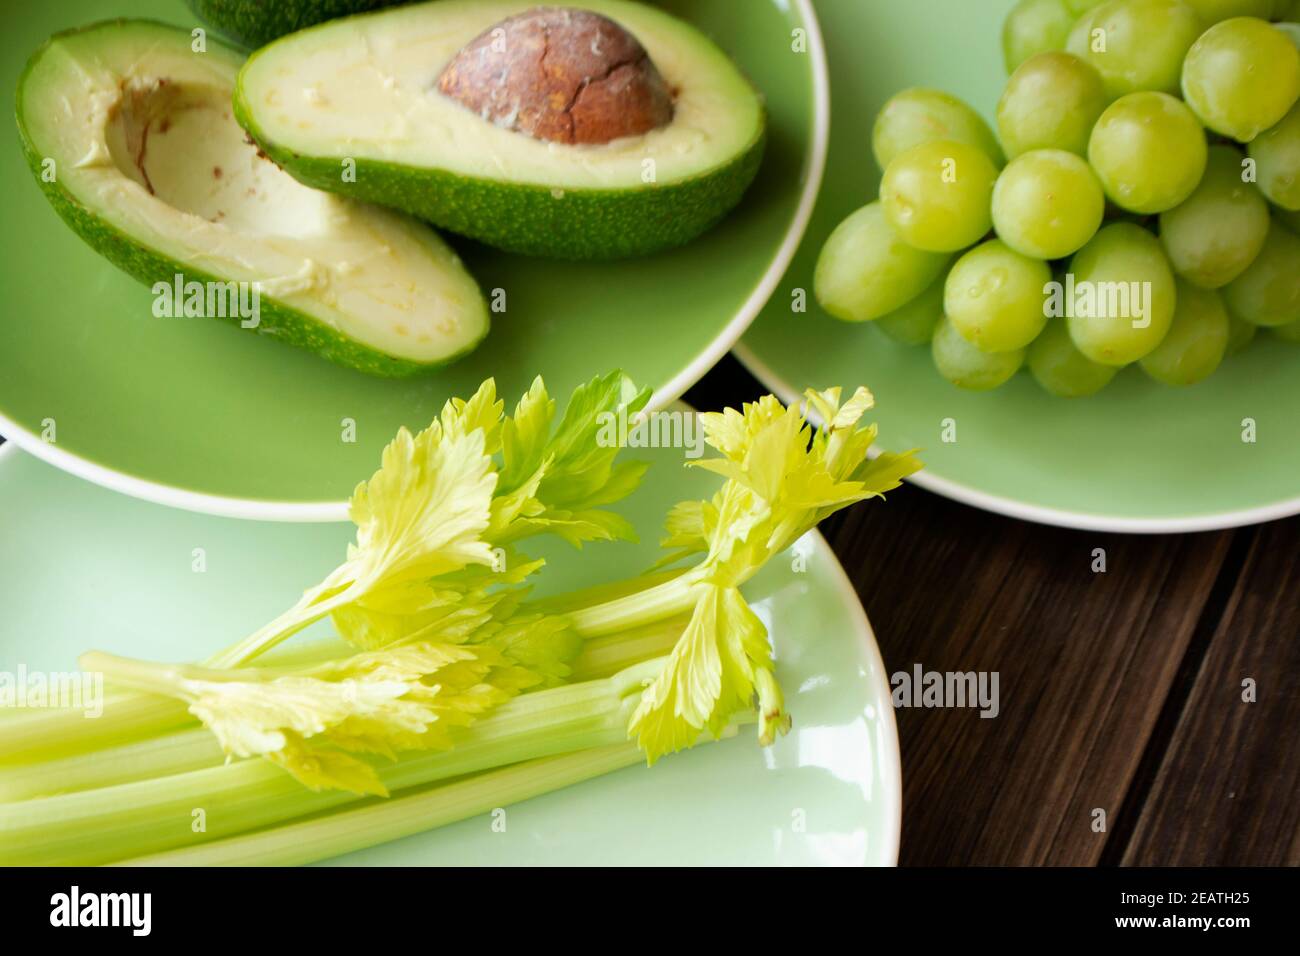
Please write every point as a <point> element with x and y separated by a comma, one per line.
<point>1120,690</point>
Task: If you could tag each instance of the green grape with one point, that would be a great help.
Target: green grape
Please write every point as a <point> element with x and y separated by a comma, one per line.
<point>1240,334</point>
<point>1289,10</point>
<point>1122,301</point>
<point>1216,233</point>
<point>1241,77</point>
<point>1268,293</point>
<point>1136,44</point>
<point>866,270</point>
<point>1149,152</point>
<point>915,322</point>
<point>994,297</point>
<point>1079,7</point>
<point>1214,11</point>
<point>966,366</point>
<point>1290,219</point>
<point>1051,102</point>
<point>1061,369</point>
<point>918,116</point>
<point>1276,153</point>
<point>1032,27</point>
<point>1288,333</point>
<point>1047,203</point>
<point>1197,339</point>
<point>937,195</point>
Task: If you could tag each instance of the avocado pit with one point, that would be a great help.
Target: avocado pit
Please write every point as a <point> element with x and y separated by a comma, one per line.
<point>560,75</point>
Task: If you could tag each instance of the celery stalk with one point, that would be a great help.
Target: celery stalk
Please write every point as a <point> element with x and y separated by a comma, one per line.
<point>655,603</point>
<point>45,735</point>
<point>42,734</point>
<point>333,834</point>
<point>602,593</point>
<point>311,607</point>
<point>160,756</point>
<point>132,715</point>
<point>346,831</point>
<point>106,824</point>
<point>603,656</point>
<point>194,748</point>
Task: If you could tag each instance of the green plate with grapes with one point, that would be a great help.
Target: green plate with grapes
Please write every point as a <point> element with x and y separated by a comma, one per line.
<point>1213,263</point>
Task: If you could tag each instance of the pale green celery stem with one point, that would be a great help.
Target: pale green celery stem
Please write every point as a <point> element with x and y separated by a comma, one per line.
<point>662,601</point>
<point>346,831</point>
<point>102,825</point>
<point>334,834</point>
<point>57,733</point>
<point>603,593</point>
<point>154,678</point>
<point>195,748</point>
<point>309,609</point>
<point>158,756</point>
<point>127,715</point>
<point>45,734</point>
<point>144,676</point>
<point>665,600</point>
<point>603,656</point>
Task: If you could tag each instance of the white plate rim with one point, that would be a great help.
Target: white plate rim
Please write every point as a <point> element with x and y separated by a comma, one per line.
<point>890,759</point>
<point>888,767</point>
<point>225,506</point>
<point>1042,514</point>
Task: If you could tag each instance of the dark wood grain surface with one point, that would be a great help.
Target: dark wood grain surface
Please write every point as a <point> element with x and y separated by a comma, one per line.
<point>1121,692</point>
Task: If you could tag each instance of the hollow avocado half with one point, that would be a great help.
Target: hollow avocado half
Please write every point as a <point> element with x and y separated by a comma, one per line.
<point>131,135</point>
<point>363,94</point>
<point>257,22</point>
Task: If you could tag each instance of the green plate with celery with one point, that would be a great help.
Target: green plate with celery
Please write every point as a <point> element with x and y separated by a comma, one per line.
<point>405,239</point>
<point>457,682</point>
<point>1141,146</point>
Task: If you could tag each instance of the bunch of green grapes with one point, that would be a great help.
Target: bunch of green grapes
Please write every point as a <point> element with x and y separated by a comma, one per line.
<point>1138,204</point>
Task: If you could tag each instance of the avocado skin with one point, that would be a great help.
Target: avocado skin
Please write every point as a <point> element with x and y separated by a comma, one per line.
<point>255,23</point>
<point>276,320</point>
<point>529,219</point>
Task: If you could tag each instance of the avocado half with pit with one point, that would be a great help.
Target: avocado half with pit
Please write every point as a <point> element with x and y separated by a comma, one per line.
<point>256,22</point>
<point>130,133</point>
<point>593,131</point>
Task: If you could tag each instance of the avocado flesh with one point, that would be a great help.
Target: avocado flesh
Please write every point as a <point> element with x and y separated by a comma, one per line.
<point>155,174</point>
<point>257,22</point>
<point>365,89</point>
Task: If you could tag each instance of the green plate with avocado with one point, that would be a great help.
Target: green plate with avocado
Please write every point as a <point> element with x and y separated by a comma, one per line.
<point>616,186</point>
<point>1137,457</point>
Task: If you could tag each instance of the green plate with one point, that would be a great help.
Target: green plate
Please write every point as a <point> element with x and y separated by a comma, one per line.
<point>1137,457</point>
<point>196,414</point>
<point>84,567</point>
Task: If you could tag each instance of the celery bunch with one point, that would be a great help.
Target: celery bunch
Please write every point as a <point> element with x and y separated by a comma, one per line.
<point>450,688</point>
